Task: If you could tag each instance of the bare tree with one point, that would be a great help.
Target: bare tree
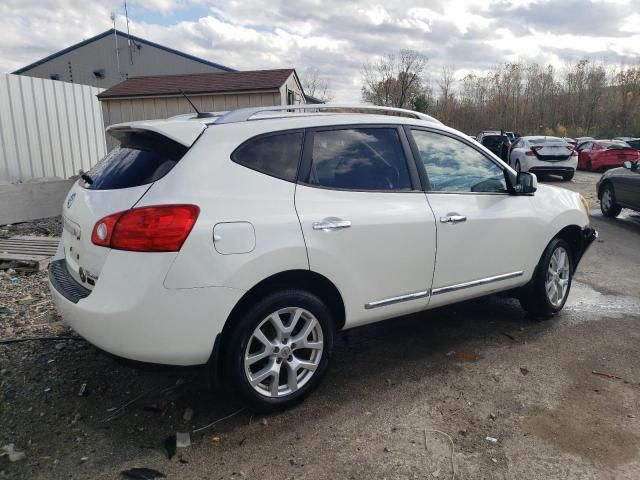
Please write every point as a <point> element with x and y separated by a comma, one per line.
<point>316,86</point>
<point>395,80</point>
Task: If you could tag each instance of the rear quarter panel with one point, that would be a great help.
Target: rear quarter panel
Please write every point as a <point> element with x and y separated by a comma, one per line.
<point>228,192</point>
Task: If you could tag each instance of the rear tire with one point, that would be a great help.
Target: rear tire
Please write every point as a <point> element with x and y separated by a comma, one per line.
<point>548,290</point>
<point>279,350</point>
<point>608,203</point>
<point>568,176</point>
<point>518,168</point>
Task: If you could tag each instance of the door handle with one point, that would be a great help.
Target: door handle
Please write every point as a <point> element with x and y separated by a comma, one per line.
<point>453,219</point>
<point>329,224</point>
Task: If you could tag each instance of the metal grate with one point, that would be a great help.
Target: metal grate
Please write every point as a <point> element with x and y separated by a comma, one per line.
<point>64,283</point>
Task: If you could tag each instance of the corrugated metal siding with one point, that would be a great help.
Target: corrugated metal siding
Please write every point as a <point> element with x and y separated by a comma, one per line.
<point>132,109</point>
<point>48,128</point>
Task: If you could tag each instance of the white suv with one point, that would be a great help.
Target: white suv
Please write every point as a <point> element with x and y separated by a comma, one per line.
<point>246,240</point>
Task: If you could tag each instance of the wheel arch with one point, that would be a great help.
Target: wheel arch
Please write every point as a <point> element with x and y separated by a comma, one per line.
<point>572,234</point>
<point>604,183</point>
<point>308,280</point>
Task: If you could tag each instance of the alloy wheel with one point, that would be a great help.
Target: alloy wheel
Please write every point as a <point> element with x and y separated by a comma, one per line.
<point>558,276</point>
<point>283,352</point>
<point>607,199</point>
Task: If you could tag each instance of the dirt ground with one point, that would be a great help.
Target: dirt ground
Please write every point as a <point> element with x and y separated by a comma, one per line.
<point>478,386</point>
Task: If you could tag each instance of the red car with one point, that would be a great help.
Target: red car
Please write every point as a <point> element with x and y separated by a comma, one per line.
<point>603,154</point>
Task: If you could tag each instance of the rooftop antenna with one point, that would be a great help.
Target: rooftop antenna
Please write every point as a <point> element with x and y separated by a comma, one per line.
<point>115,35</point>
<point>126,14</point>
<point>198,112</point>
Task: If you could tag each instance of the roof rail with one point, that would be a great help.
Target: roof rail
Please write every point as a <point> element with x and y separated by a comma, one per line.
<point>245,114</point>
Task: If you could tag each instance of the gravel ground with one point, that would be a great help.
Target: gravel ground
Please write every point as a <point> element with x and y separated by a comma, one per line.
<point>398,393</point>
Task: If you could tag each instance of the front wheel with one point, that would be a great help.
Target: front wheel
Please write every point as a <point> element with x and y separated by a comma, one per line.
<point>549,288</point>
<point>280,349</point>
<point>608,203</point>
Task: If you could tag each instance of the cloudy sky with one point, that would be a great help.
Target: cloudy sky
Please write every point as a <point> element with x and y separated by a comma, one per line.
<point>337,37</point>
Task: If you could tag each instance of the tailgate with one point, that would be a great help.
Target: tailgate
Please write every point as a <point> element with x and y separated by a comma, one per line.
<point>553,152</point>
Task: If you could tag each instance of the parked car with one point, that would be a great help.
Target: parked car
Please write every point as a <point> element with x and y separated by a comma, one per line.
<point>571,141</point>
<point>620,188</point>
<point>631,141</point>
<point>496,141</point>
<point>580,140</point>
<point>602,154</point>
<point>246,241</point>
<point>544,156</point>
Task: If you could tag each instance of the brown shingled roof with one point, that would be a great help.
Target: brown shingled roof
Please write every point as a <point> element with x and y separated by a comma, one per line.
<point>198,83</point>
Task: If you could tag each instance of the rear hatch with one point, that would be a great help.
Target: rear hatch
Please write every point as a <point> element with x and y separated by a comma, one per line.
<point>114,184</point>
<point>553,152</point>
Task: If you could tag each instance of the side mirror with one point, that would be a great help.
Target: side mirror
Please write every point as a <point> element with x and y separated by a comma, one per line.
<point>627,165</point>
<point>526,182</point>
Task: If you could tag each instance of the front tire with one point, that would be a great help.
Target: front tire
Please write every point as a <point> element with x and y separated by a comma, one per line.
<point>608,203</point>
<point>279,350</point>
<point>549,288</point>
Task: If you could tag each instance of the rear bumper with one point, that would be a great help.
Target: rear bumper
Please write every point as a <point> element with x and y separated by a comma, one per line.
<point>130,314</point>
<point>587,236</point>
<point>552,170</point>
<point>542,167</point>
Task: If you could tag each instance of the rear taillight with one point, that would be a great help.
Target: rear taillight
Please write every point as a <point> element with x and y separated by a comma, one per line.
<point>574,152</point>
<point>162,228</point>
<point>530,153</point>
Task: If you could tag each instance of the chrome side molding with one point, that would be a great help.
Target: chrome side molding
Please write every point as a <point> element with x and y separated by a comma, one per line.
<point>398,299</point>
<point>475,283</point>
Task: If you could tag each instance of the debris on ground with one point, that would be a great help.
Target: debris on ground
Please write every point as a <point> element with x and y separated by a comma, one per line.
<point>491,439</point>
<point>83,392</point>
<point>170,446</point>
<point>215,440</point>
<point>188,414</point>
<point>466,356</point>
<point>607,375</point>
<point>183,439</point>
<point>143,474</point>
<point>524,370</point>
<point>13,454</point>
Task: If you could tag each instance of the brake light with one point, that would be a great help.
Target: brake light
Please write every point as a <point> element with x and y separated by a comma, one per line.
<point>162,228</point>
<point>535,148</point>
<point>530,153</point>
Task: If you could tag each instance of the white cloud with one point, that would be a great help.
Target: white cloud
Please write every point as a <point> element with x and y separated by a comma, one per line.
<point>334,36</point>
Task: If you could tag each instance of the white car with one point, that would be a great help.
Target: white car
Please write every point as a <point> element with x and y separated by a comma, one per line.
<point>246,240</point>
<point>544,156</point>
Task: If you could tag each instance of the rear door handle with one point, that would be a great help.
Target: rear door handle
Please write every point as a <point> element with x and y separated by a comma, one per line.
<point>329,224</point>
<point>453,219</point>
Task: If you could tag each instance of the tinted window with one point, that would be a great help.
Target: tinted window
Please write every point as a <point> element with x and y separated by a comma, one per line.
<point>453,166</point>
<point>276,155</point>
<point>142,158</point>
<point>493,141</point>
<point>359,159</point>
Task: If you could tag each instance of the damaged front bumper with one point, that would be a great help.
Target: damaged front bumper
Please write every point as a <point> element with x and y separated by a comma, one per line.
<point>587,236</point>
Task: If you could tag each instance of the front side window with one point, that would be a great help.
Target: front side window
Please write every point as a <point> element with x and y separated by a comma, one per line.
<point>359,159</point>
<point>453,166</point>
<point>276,155</point>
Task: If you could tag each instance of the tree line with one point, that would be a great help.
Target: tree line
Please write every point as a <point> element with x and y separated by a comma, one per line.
<point>583,98</point>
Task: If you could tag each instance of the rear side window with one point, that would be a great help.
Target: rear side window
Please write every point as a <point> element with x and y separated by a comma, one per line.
<point>359,159</point>
<point>277,155</point>
<point>142,157</point>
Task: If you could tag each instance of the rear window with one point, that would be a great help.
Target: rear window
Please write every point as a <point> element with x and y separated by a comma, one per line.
<point>142,158</point>
<point>614,145</point>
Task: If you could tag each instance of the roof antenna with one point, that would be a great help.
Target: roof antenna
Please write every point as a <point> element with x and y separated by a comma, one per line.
<point>199,113</point>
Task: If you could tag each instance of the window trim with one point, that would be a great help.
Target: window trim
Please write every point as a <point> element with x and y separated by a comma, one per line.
<point>307,151</point>
<point>274,133</point>
<point>423,171</point>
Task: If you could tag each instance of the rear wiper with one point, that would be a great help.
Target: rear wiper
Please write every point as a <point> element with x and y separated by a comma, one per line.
<point>85,176</point>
